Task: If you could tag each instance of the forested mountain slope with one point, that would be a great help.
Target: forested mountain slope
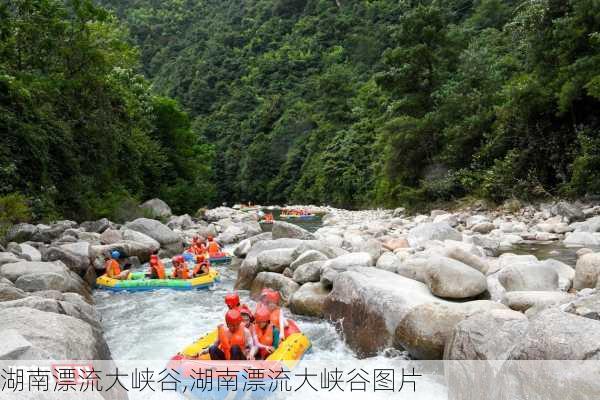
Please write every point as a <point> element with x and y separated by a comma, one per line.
<point>368,102</point>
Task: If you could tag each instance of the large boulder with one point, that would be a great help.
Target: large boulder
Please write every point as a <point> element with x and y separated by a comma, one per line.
<point>309,272</point>
<point>565,272</point>
<point>47,234</point>
<point>9,292</point>
<point>320,246</point>
<point>395,244</point>
<point>423,233</point>
<point>452,279</point>
<point>468,258</point>
<point>569,211</point>
<point>156,208</point>
<point>52,335</point>
<point>98,226</point>
<point>111,236</point>
<point>127,248</point>
<point>309,300</point>
<point>65,281</point>
<point>20,233</point>
<point>586,306</point>
<point>248,269</point>
<point>138,237</point>
<point>556,335</point>
<point>283,229</point>
<point>218,213</point>
<point>489,335</point>
<point>169,240</point>
<point>413,268</point>
<point>306,257</point>
<point>581,239</point>
<point>528,277</point>
<point>367,300</point>
<point>28,252</point>
<point>13,271</point>
<point>426,328</point>
<point>8,257</point>
<point>284,285</point>
<point>275,260</point>
<point>350,261</point>
<point>238,231</point>
<point>587,271</point>
<point>245,245</point>
<point>80,310</point>
<point>389,262</point>
<point>180,222</point>
<point>75,256</point>
<point>523,301</point>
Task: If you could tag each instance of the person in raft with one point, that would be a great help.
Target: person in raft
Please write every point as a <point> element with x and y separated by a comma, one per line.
<point>269,300</point>
<point>157,268</point>
<point>234,341</point>
<point>265,335</point>
<point>202,265</point>
<point>232,300</point>
<point>197,247</point>
<point>113,268</point>
<point>180,268</point>
<point>214,250</point>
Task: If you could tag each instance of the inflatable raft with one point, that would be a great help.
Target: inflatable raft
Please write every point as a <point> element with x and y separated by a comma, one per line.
<point>138,282</point>
<point>220,259</point>
<point>308,217</point>
<point>289,353</point>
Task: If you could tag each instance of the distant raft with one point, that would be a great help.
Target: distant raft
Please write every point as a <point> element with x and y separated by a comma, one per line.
<point>294,217</point>
<point>220,259</point>
<point>138,282</point>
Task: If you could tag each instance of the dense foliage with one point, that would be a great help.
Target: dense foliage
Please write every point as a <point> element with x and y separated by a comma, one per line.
<point>364,102</point>
<point>82,133</point>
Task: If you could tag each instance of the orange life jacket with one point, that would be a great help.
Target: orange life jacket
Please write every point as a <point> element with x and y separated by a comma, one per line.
<point>202,266</point>
<point>182,272</point>
<point>227,340</point>
<point>112,268</point>
<point>159,268</point>
<point>213,248</point>
<point>275,314</point>
<point>265,337</point>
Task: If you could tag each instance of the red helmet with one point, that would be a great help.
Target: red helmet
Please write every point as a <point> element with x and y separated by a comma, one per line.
<point>264,292</point>
<point>177,259</point>
<point>153,259</point>
<point>273,296</point>
<point>233,317</point>
<point>262,315</point>
<point>232,300</point>
<point>209,237</point>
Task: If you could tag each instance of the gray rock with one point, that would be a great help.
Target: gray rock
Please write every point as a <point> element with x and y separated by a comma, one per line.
<point>423,233</point>
<point>556,335</point>
<point>245,245</point>
<point>532,277</point>
<point>63,282</point>
<point>388,262</point>
<point>8,257</point>
<point>248,269</point>
<point>28,252</point>
<point>77,262</point>
<point>581,238</point>
<point>98,226</point>
<point>566,274</point>
<point>127,248</point>
<point>452,279</point>
<point>523,301</point>
<point>489,335</point>
<point>309,300</point>
<point>590,225</point>
<point>156,208</point>
<point>588,307</point>
<point>50,233</point>
<point>283,229</point>
<point>135,236</point>
<point>587,271</point>
<point>82,311</point>
<point>57,336</point>
<point>220,213</point>
<point>568,210</point>
<point>328,276</point>
<point>168,239</point>
<point>180,222</point>
<point>426,328</point>
<point>14,270</point>
<point>275,260</point>
<point>309,272</point>
<point>349,261</point>
<point>8,292</point>
<point>284,285</point>
<point>483,227</point>
<point>322,247</point>
<point>306,257</point>
<point>20,233</point>
<point>467,258</point>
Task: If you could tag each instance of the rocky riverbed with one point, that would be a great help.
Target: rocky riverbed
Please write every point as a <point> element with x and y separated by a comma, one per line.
<point>440,286</point>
